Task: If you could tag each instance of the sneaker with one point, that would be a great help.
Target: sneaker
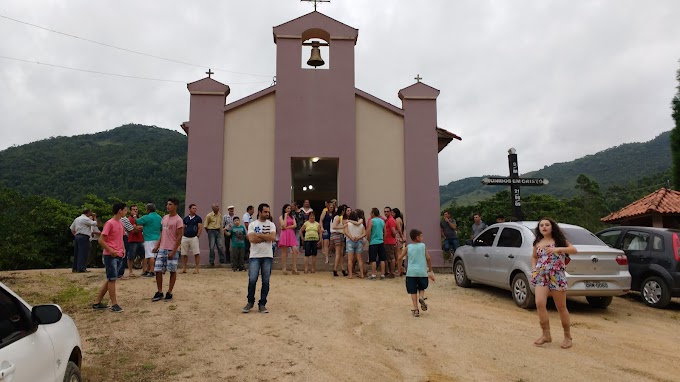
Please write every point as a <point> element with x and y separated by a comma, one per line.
<point>99,306</point>
<point>372,278</point>
<point>116,309</point>
<point>382,277</point>
<point>263,309</point>
<point>148,274</point>
<point>157,297</point>
<point>168,297</point>
<point>248,307</point>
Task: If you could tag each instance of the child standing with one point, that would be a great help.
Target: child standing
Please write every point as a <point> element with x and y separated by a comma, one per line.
<point>238,233</point>
<point>312,233</point>
<point>111,240</point>
<point>418,271</point>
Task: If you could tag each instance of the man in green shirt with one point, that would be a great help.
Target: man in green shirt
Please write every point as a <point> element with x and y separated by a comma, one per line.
<point>151,229</point>
<point>375,232</point>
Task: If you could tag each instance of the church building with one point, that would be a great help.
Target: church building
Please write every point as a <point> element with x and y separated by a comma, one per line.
<point>314,135</point>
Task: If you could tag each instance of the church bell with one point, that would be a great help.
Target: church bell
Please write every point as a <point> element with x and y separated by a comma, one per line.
<point>315,60</point>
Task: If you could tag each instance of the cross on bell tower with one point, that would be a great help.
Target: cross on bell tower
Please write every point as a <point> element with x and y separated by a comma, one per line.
<point>418,78</point>
<point>209,73</point>
<point>317,1</point>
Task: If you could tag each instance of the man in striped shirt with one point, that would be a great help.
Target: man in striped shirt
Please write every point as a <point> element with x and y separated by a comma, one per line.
<point>128,228</point>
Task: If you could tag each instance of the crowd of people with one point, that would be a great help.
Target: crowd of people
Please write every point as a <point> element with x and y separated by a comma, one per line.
<point>169,241</point>
<point>340,232</point>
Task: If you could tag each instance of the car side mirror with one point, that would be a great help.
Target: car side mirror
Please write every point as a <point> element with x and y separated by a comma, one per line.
<point>469,242</point>
<point>46,314</point>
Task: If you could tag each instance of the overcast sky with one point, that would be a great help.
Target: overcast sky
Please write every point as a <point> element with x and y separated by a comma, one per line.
<point>557,80</point>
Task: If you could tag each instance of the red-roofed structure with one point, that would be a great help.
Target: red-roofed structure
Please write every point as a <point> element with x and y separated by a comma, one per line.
<point>661,208</point>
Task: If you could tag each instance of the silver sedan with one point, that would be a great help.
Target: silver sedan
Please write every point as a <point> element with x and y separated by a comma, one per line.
<point>500,256</point>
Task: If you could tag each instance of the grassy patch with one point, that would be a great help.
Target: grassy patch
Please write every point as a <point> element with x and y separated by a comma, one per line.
<point>148,367</point>
<point>73,297</point>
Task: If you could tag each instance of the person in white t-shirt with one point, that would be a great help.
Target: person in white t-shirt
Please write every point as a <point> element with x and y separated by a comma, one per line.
<point>261,235</point>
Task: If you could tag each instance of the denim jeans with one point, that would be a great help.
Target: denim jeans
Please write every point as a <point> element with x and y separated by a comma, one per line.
<point>450,245</point>
<point>123,260</point>
<point>215,238</point>
<point>81,249</point>
<point>255,267</point>
<point>112,265</point>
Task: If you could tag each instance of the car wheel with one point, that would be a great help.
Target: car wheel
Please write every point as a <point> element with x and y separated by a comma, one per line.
<point>461,276</point>
<point>655,292</point>
<point>72,373</point>
<point>521,292</point>
<point>599,302</point>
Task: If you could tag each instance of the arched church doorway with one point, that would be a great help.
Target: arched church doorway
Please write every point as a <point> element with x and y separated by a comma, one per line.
<point>314,179</point>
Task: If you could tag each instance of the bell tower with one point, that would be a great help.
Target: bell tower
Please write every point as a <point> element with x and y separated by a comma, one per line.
<point>315,109</point>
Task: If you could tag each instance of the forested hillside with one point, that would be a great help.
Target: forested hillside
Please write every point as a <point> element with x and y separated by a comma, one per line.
<point>618,165</point>
<point>133,162</point>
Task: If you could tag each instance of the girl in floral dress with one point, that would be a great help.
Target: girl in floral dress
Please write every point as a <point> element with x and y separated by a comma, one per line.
<point>548,260</point>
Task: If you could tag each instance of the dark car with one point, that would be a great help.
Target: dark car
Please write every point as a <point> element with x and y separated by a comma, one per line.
<point>653,260</point>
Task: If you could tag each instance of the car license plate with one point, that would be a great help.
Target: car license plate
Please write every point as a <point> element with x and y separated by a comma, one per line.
<point>597,284</point>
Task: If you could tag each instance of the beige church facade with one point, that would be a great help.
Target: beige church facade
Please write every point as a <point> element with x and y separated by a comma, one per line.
<point>314,135</point>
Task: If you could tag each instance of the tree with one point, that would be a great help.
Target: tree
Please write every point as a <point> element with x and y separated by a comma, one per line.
<point>675,136</point>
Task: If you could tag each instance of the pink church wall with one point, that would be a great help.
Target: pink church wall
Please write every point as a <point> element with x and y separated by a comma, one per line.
<point>315,111</point>
<point>205,150</point>
<point>419,102</point>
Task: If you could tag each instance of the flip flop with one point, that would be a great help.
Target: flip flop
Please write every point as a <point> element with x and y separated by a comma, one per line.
<point>423,305</point>
<point>415,312</point>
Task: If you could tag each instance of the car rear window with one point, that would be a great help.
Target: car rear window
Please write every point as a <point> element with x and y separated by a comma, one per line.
<point>580,236</point>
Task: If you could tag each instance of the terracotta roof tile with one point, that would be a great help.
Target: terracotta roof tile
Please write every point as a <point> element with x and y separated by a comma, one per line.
<point>662,201</point>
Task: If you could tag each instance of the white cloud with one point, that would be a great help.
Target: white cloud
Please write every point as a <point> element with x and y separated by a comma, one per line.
<point>555,79</point>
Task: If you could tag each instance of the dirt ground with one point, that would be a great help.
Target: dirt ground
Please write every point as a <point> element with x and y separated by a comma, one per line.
<point>322,328</point>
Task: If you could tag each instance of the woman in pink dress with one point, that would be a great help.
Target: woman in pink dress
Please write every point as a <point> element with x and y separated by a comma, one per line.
<point>287,238</point>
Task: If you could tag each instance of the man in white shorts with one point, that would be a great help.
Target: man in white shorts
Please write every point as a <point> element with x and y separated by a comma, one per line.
<point>193,225</point>
<point>151,229</point>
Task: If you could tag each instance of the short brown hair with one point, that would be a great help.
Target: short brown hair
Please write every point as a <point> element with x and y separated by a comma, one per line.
<point>415,233</point>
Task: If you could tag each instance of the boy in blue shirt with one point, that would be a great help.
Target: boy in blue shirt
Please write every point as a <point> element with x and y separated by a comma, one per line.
<point>238,233</point>
<point>418,271</point>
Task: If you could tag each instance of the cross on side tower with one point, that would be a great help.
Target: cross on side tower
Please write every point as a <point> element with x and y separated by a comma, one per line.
<point>209,73</point>
<point>418,78</point>
<point>317,1</point>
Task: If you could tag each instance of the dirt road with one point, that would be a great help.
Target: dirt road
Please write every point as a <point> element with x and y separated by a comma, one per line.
<point>322,328</point>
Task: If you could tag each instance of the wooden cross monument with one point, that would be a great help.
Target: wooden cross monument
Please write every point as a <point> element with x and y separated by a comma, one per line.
<point>514,181</point>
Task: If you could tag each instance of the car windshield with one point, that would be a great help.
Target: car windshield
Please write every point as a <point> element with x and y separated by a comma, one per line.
<point>580,236</point>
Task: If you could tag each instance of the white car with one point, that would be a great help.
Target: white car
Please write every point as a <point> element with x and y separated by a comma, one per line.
<point>500,256</point>
<point>37,343</point>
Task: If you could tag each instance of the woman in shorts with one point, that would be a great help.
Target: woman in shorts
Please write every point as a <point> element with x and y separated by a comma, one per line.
<point>311,231</point>
<point>338,238</point>
<point>548,261</point>
<point>354,236</point>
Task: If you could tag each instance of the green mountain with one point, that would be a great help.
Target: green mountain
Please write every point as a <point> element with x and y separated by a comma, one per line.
<point>131,162</point>
<point>148,163</point>
<point>618,165</point>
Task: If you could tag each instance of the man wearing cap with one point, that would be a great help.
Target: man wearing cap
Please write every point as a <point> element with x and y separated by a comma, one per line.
<point>227,223</point>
